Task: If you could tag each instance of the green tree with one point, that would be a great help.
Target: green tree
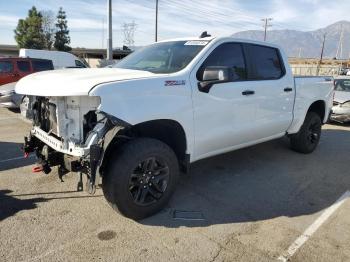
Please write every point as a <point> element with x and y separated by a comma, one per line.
<point>29,32</point>
<point>62,39</point>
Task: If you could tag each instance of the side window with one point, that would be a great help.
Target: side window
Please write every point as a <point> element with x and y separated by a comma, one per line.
<point>79,64</point>
<point>23,66</point>
<point>266,61</point>
<point>42,65</point>
<point>6,67</point>
<point>230,55</point>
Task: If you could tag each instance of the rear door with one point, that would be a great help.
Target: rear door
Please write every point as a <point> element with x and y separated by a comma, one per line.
<point>7,74</point>
<point>274,90</point>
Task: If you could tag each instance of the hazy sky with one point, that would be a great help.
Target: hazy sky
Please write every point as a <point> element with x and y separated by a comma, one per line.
<point>87,18</point>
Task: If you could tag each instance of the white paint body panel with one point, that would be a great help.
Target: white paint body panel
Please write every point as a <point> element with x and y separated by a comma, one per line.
<point>309,90</point>
<point>73,82</point>
<point>214,123</point>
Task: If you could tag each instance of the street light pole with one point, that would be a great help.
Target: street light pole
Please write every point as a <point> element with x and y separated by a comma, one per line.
<point>109,39</point>
<point>156,33</point>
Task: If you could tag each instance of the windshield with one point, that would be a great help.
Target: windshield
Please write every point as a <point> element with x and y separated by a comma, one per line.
<point>162,58</point>
<point>342,85</point>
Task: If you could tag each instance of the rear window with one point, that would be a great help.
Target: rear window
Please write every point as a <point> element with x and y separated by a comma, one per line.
<point>342,85</point>
<point>6,67</point>
<point>23,66</point>
<point>42,65</point>
<point>267,62</point>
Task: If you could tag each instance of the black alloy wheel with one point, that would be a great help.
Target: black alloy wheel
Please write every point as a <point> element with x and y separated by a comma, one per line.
<point>149,181</point>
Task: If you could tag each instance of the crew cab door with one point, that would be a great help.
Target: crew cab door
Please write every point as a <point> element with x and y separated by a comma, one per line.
<point>274,90</point>
<point>223,117</point>
<point>6,72</point>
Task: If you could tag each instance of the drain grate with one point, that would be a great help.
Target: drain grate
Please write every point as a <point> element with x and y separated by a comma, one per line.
<point>188,215</point>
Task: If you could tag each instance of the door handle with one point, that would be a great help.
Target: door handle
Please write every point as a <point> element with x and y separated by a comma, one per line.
<point>248,92</point>
<point>288,89</point>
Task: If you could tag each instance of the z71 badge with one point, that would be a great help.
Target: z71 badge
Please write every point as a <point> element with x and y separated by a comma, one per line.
<point>175,82</point>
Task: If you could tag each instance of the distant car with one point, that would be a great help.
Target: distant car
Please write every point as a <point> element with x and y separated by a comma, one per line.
<point>344,71</point>
<point>341,103</point>
<point>59,59</point>
<point>12,70</point>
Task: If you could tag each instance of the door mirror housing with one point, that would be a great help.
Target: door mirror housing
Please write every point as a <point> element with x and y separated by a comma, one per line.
<point>214,75</point>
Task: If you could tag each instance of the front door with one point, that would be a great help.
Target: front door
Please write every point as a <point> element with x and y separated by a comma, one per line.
<point>223,117</point>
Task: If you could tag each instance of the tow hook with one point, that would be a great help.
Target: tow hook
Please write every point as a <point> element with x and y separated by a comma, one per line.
<point>37,169</point>
<point>41,168</point>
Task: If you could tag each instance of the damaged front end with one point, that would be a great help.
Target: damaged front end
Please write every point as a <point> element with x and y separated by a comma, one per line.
<point>69,132</point>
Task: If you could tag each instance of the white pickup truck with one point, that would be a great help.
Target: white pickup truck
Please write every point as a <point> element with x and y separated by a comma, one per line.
<point>166,106</point>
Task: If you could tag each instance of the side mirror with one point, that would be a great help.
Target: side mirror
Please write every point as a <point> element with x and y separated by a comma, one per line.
<point>214,75</point>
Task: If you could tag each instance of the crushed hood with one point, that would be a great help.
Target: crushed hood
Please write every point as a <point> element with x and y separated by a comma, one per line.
<point>341,96</point>
<point>73,82</point>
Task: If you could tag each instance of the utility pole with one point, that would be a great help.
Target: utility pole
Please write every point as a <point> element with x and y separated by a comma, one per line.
<point>109,39</point>
<point>103,33</point>
<point>266,25</point>
<point>156,33</point>
<point>299,55</point>
<point>321,57</point>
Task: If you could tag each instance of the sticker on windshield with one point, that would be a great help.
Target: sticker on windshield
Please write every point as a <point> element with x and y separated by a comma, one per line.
<point>196,43</point>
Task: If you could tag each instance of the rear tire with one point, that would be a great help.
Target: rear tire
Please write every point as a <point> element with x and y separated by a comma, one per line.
<point>140,178</point>
<point>306,140</point>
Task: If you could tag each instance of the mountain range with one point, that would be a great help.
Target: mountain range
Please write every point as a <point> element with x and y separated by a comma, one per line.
<point>307,44</point>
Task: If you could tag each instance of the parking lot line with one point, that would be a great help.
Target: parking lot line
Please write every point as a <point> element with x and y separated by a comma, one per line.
<point>313,227</point>
<point>15,158</point>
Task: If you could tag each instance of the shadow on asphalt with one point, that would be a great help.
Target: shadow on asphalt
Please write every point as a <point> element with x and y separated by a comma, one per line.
<point>15,110</point>
<point>10,150</point>
<point>262,182</point>
<point>10,205</point>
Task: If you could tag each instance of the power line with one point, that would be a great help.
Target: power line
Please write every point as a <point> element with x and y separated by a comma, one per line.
<point>202,12</point>
<point>266,25</point>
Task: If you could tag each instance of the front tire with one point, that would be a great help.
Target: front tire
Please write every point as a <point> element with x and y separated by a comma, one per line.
<point>140,178</point>
<point>308,137</point>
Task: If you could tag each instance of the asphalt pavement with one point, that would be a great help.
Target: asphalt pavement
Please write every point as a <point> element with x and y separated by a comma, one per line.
<point>263,203</point>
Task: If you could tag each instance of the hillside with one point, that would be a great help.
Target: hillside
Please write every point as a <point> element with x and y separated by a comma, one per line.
<point>310,42</point>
